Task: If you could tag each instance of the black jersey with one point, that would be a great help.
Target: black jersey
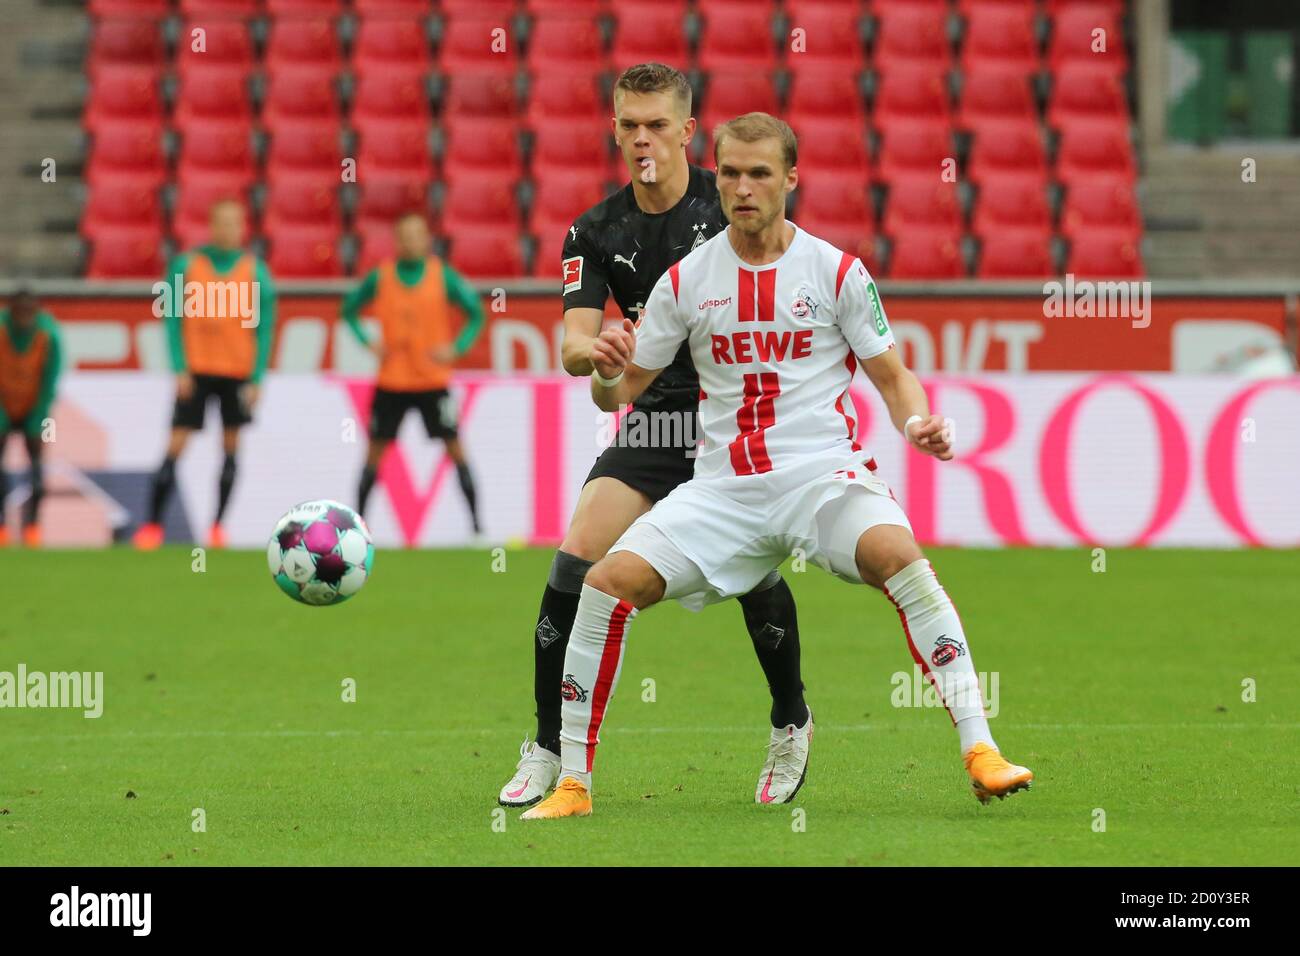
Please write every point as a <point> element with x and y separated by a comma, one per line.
<point>616,247</point>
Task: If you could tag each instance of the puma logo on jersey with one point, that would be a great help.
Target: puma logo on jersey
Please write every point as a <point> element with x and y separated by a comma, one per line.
<point>627,262</point>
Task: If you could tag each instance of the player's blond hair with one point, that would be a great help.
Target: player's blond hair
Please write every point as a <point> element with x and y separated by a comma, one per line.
<point>752,127</point>
<point>655,78</point>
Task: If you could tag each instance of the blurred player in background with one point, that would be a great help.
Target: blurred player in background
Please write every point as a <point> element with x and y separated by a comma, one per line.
<point>622,246</point>
<point>793,317</point>
<point>412,297</point>
<point>31,356</point>
<point>220,321</point>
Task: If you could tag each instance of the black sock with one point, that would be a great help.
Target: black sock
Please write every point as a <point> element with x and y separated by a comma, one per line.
<point>467,489</point>
<point>363,491</point>
<point>224,484</point>
<point>774,628</point>
<point>163,482</point>
<point>37,493</point>
<point>550,638</point>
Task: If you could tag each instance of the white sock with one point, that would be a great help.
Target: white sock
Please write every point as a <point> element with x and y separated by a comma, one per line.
<point>938,644</point>
<point>592,664</point>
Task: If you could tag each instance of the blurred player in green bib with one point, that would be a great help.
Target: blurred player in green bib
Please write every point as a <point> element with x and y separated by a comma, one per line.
<point>31,354</point>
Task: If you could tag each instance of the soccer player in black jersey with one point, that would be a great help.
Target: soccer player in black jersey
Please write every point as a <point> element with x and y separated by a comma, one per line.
<point>622,246</point>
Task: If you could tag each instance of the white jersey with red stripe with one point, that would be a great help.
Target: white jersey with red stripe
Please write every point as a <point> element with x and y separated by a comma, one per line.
<point>774,346</point>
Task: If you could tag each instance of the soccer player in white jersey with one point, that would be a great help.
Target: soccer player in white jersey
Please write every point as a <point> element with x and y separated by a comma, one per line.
<point>775,319</point>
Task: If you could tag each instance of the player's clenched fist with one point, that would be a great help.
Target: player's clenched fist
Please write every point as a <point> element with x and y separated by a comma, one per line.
<point>612,350</point>
<point>931,436</point>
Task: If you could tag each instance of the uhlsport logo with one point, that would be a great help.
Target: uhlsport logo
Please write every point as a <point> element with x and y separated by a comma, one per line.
<point>76,908</point>
<point>713,304</point>
<point>572,691</point>
<point>946,651</point>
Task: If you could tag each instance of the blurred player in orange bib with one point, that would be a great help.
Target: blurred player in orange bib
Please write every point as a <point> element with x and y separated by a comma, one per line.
<point>30,359</point>
<point>219,312</point>
<point>412,297</point>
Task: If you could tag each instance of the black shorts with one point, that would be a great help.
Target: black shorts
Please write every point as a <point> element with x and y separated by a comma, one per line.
<point>229,393</point>
<point>436,407</point>
<point>19,426</point>
<point>654,470</point>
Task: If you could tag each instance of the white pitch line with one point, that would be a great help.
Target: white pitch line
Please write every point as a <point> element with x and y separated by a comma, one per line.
<point>617,731</point>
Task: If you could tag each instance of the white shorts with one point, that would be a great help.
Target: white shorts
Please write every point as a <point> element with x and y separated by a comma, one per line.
<point>714,539</point>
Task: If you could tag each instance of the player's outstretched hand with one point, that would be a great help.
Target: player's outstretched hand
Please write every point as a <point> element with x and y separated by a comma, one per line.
<point>932,437</point>
<point>184,385</point>
<point>612,350</point>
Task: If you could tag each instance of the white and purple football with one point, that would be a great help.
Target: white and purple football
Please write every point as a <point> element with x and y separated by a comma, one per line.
<point>320,553</point>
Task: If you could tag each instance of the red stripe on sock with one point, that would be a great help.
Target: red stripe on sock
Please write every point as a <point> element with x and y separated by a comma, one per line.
<point>916,655</point>
<point>609,658</point>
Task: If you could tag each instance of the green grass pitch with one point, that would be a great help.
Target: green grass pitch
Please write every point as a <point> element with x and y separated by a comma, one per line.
<point>1123,691</point>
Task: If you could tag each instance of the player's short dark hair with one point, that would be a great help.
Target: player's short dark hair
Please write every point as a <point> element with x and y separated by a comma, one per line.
<point>656,78</point>
<point>752,127</point>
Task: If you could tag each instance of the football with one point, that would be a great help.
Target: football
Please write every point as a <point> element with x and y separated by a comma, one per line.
<point>320,553</point>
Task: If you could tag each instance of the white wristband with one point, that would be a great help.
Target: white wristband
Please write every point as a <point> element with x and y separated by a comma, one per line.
<point>907,424</point>
<point>606,382</point>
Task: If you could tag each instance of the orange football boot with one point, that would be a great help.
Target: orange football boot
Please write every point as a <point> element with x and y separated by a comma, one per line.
<point>4,535</point>
<point>148,537</point>
<point>570,799</point>
<point>217,537</point>
<point>992,776</point>
<point>31,536</point>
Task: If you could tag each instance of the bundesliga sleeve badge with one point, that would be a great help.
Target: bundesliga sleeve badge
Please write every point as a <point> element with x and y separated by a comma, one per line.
<point>572,274</point>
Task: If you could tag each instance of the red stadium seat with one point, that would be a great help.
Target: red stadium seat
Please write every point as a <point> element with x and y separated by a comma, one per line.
<point>1089,148</point>
<point>473,41</point>
<point>125,152</point>
<point>964,7</point>
<point>496,8</point>
<point>129,252</point>
<point>1102,202</point>
<point>585,7</point>
<point>1077,29</point>
<point>912,33</point>
<point>120,93</point>
<point>387,97</point>
<point>912,92</point>
<point>1011,202</point>
<point>212,94</point>
<point>1000,36</point>
<point>997,95</point>
<point>395,148</point>
<point>1082,92</point>
<point>378,244</point>
<point>194,202</point>
<point>1016,254</point>
<point>297,43</point>
<point>1007,147</point>
<point>299,94</point>
<point>122,42</point>
<point>479,201</point>
<point>217,148</point>
<point>560,199</point>
<point>913,146</point>
<point>391,45</point>
<point>221,8</point>
<point>832,144</point>
<point>922,200</point>
<point>738,42</point>
<point>1105,254</point>
<point>226,45</point>
<point>304,8</point>
<point>480,93</point>
<point>115,205</point>
<point>837,199</point>
<point>547,255</point>
<point>386,197</point>
<point>489,145</point>
<point>305,252</point>
<point>565,96</point>
<point>1054,7</point>
<point>565,41</point>
<point>579,145</point>
<point>296,202</point>
<point>733,92</point>
<point>824,92</point>
<point>856,239</point>
<point>926,254</point>
<point>649,32</point>
<point>140,9</point>
<point>306,150</point>
<point>831,38</point>
<point>486,253</point>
